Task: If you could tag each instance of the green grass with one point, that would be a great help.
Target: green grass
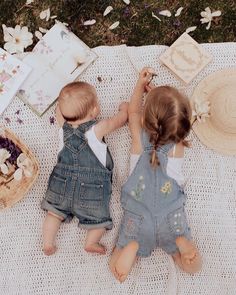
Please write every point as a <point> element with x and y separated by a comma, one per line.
<point>137,26</point>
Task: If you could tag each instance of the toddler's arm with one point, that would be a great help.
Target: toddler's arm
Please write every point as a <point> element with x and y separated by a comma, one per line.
<point>106,126</point>
<point>135,108</point>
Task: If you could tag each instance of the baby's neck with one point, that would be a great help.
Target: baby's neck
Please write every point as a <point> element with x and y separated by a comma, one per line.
<point>75,124</point>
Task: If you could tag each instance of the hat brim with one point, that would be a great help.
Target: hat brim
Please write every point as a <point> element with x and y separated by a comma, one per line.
<point>224,143</point>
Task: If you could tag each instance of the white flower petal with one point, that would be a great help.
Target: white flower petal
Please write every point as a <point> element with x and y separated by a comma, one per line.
<point>45,14</point>
<point>18,174</point>
<point>208,10</point>
<point>179,10</point>
<point>208,26</point>
<point>114,25</point>
<point>54,16</point>
<point>29,2</point>
<point>191,29</point>
<point>165,13</point>
<point>27,172</point>
<point>4,155</point>
<point>89,22</point>
<point>39,35</point>
<point>42,30</point>
<point>153,15</point>
<point>4,168</point>
<point>107,10</point>
<point>126,2</point>
<point>216,13</point>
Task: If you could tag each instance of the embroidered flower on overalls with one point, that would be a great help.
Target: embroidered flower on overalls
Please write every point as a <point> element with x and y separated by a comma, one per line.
<point>166,188</point>
<point>136,193</point>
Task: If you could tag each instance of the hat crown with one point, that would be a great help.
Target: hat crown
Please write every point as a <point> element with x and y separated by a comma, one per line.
<point>223,108</point>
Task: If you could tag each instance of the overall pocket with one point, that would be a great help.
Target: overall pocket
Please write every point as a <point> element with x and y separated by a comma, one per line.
<point>56,189</point>
<point>177,222</point>
<point>131,224</point>
<point>91,195</point>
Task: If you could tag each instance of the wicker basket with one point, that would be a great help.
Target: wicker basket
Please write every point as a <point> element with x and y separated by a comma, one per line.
<point>11,190</point>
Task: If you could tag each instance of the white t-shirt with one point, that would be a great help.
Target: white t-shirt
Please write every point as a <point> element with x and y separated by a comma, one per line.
<point>99,148</point>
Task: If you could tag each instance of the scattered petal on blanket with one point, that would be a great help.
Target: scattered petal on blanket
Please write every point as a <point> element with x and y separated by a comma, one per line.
<point>114,25</point>
<point>165,13</point>
<point>107,10</point>
<point>191,29</point>
<point>155,16</point>
<point>89,22</point>
<point>179,10</point>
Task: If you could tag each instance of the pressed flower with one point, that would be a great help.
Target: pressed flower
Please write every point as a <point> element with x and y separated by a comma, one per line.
<point>155,16</point>
<point>178,12</point>
<point>191,29</point>
<point>166,188</point>
<point>107,10</point>
<point>45,14</point>
<point>16,39</point>
<point>207,16</point>
<point>25,167</point>
<point>4,155</point>
<point>165,13</point>
<point>89,22</point>
<point>114,25</point>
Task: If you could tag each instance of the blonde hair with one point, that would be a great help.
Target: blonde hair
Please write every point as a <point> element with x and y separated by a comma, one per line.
<point>76,99</point>
<point>167,115</point>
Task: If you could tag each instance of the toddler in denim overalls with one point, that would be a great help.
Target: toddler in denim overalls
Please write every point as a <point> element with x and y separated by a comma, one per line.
<point>81,182</point>
<point>153,198</point>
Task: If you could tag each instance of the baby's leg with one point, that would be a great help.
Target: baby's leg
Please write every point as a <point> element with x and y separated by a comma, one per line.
<point>188,257</point>
<point>123,260</point>
<point>92,241</point>
<point>51,226</point>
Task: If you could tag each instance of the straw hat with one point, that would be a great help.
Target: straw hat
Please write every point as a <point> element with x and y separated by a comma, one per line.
<point>214,107</point>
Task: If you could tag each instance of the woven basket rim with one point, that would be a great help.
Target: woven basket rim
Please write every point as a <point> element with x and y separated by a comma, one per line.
<point>16,190</point>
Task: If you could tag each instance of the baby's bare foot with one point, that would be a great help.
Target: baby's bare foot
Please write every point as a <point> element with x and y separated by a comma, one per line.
<point>125,261</point>
<point>190,257</point>
<point>49,249</point>
<point>95,248</point>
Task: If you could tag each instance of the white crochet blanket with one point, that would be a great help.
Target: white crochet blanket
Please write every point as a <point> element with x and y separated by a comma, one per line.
<point>211,203</point>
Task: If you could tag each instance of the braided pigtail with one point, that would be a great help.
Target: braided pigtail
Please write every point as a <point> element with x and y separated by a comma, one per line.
<point>154,140</point>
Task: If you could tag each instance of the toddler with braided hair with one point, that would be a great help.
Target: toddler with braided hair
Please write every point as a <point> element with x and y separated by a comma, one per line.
<point>153,198</point>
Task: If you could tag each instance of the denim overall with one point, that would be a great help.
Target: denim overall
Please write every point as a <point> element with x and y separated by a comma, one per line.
<point>153,205</point>
<point>79,184</point>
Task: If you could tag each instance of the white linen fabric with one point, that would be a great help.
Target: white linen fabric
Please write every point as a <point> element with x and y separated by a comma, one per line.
<point>210,206</point>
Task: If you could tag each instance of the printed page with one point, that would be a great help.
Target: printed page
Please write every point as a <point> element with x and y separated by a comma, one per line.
<point>59,58</point>
<point>13,72</point>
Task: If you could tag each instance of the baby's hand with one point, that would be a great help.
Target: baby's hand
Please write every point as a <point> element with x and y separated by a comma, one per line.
<point>145,76</point>
<point>124,106</point>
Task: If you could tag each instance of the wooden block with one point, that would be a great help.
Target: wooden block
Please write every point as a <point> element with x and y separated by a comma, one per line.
<point>185,58</point>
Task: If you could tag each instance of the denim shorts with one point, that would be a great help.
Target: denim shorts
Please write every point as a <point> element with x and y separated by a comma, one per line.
<point>84,193</point>
<point>152,232</point>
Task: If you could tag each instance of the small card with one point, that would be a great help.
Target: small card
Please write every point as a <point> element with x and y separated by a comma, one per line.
<point>185,58</point>
<point>13,72</point>
<point>57,59</point>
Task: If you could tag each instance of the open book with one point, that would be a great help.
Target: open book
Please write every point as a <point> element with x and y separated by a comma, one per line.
<point>13,72</point>
<point>57,59</point>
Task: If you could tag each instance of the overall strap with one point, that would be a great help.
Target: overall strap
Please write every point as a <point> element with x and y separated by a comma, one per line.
<point>68,130</point>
